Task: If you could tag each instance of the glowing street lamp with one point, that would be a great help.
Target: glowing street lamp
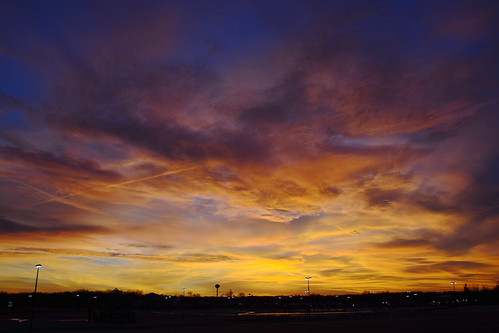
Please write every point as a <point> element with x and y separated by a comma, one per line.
<point>37,266</point>
<point>184,291</point>
<point>308,284</point>
<point>454,285</point>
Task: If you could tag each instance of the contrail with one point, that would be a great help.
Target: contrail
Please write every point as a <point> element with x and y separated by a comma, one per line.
<point>62,198</point>
<point>151,177</point>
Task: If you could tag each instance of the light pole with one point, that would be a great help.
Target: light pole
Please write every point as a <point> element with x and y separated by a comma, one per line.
<point>183,290</point>
<point>308,284</point>
<point>454,286</point>
<point>37,266</point>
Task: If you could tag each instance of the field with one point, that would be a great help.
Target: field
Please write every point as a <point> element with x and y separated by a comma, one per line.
<point>463,319</point>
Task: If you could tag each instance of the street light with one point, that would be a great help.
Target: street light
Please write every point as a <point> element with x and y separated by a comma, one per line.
<point>308,284</point>
<point>184,290</point>
<point>37,266</point>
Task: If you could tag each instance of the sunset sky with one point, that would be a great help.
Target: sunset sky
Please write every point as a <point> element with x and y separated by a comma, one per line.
<point>162,145</point>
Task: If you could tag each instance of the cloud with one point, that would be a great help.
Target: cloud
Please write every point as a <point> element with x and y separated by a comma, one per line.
<point>359,273</point>
<point>9,103</point>
<point>474,232</point>
<point>63,251</point>
<point>123,254</point>
<point>449,266</point>
<point>151,246</point>
<point>381,198</point>
<point>176,134</point>
<point>406,243</point>
<point>201,257</point>
<point>158,109</point>
<point>8,226</point>
<point>60,165</point>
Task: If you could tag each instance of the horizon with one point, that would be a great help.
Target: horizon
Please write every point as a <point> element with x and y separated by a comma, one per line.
<point>164,145</point>
<point>190,293</point>
<point>185,292</point>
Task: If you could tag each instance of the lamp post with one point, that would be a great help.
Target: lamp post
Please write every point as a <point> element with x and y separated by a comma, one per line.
<point>183,290</point>
<point>454,287</point>
<point>308,284</point>
<point>37,266</point>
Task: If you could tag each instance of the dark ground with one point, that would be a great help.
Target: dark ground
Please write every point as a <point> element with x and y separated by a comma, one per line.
<point>462,319</point>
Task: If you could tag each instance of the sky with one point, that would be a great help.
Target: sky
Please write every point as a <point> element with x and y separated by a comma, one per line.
<point>162,145</point>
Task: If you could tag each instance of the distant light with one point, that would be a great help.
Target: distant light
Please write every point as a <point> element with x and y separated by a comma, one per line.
<point>290,296</point>
<point>30,295</point>
<point>38,266</point>
<point>415,294</point>
<point>78,295</point>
